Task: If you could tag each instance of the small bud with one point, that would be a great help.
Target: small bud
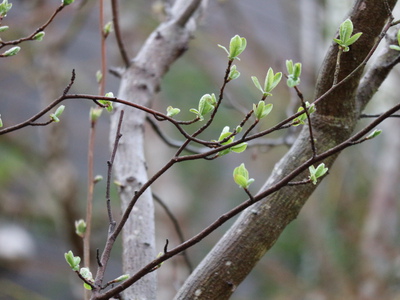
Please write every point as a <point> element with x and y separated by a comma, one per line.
<point>67,2</point>
<point>107,29</point>
<point>12,51</point>
<point>121,278</point>
<point>1,122</point>
<point>99,76</point>
<point>3,28</point>
<point>373,134</point>
<point>39,36</point>
<point>95,113</point>
<point>80,228</point>
<point>97,179</point>
<point>4,8</point>
<point>171,111</point>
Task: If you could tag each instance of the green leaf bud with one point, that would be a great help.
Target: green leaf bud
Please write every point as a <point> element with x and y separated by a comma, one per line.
<point>373,134</point>
<point>67,2</point>
<point>4,8</point>
<point>108,28</point>
<point>316,173</point>
<point>261,110</point>
<point>236,47</point>
<point>233,73</point>
<point>1,122</point>
<point>39,36</point>
<point>171,111</point>
<point>121,278</point>
<point>99,76</point>
<point>95,113</point>
<point>3,28</point>
<point>241,176</point>
<point>12,51</point>
<point>72,260</point>
<point>97,179</point>
<point>80,228</point>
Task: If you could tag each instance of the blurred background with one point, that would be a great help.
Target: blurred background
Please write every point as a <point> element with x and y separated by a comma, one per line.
<point>344,244</point>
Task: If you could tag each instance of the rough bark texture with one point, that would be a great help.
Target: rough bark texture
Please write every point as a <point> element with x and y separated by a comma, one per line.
<point>258,228</point>
<point>139,84</point>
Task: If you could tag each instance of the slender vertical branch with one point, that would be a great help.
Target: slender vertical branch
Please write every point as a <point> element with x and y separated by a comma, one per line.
<point>89,201</point>
<point>337,68</point>
<point>103,48</point>
<point>118,36</point>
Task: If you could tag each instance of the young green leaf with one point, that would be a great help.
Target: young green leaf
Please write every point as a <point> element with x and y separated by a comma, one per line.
<point>107,104</point>
<point>236,47</point>
<point>316,173</point>
<point>261,110</point>
<point>345,35</point>
<point>294,72</point>
<point>241,177</point>
<point>85,272</point>
<point>300,120</point>
<point>1,122</point>
<point>4,8</point>
<point>171,111</point>
<point>257,83</point>
<point>207,104</point>
<point>56,116</point>
<point>233,73</point>
<point>3,28</point>
<point>72,260</point>
<point>271,80</point>
<point>67,2</point>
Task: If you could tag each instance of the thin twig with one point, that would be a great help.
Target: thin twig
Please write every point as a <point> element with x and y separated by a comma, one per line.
<point>310,129</point>
<point>39,29</point>
<point>177,228</point>
<point>118,36</point>
<point>377,115</point>
<point>337,68</point>
<point>110,163</point>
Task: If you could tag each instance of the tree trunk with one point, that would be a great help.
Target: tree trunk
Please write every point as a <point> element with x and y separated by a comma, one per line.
<point>258,228</point>
<point>140,82</point>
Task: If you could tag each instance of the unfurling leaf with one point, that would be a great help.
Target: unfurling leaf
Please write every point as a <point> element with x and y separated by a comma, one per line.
<point>12,51</point>
<point>316,173</point>
<point>261,110</point>
<point>294,72</point>
<point>373,134</point>
<point>56,116</point>
<point>171,111</point>
<point>207,104</point>
<point>4,8</point>
<point>233,73</point>
<point>67,2</point>
<point>241,177</point>
<point>236,47</point>
<point>85,272</point>
<point>72,260</point>
<point>80,228</point>
<point>345,35</point>
<point>39,36</point>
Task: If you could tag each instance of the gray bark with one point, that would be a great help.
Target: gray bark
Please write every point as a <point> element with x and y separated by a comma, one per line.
<point>140,82</point>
